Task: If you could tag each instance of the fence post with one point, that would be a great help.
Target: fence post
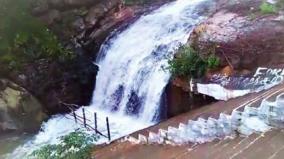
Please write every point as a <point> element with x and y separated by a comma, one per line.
<point>74,114</point>
<point>95,120</point>
<point>84,118</point>
<point>108,131</point>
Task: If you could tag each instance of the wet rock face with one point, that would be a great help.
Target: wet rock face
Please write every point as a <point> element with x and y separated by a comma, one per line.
<point>180,100</point>
<point>86,22</point>
<point>81,26</point>
<point>19,110</point>
<point>53,82</point>
<point>242,36</point>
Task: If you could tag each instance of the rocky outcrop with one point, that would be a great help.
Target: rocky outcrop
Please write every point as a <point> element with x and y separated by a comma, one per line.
<point>87,22</point>
<point>19,110</point>
<point>242,36</point>
<point>54,82</point>
<point>82,26</point>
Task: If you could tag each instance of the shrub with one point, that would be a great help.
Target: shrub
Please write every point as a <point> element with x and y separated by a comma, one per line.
<point>267,8</point>
<point>213,61</point>
<point>190,64</point>
<point>76,145</point>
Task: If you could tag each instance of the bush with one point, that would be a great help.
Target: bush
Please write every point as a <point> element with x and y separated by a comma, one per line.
<point>76,145</point>
<point>213,62</point>
<point>267,8</point>
<point>23,38</point>
<point>190,64</point>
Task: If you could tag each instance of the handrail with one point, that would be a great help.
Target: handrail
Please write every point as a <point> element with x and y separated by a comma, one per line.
<point>83,120</point>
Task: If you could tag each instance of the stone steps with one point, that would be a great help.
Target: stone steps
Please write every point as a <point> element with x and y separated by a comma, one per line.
<point>264,147</point>
<point>243,121</point>
<point>279,154</point>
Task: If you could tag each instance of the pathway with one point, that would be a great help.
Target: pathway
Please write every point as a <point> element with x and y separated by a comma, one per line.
<point>266,145</point>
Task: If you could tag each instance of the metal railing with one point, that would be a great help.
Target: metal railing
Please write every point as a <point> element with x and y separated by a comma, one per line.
<point>83,120</point>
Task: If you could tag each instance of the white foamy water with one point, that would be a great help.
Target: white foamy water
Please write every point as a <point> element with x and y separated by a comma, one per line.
<point>131,78</point>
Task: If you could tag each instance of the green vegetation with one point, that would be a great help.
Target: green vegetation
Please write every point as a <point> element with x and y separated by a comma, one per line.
<point>267,8</point>
<point>24,39</point>
<point>190,64</point>
<point>213,61</point>
<point>76,145</point>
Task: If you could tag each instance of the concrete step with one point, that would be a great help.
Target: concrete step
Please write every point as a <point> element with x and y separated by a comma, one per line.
<point>133,140</point>
<point>154,138</point>
<point>201,150</point>
<point>243,145</point>
<point>279,154</point>
<point>207,149</point>
<point>163,133</point>
<point>227,148</point>
<point>204,130</point>
<point>264,147</point>
<point>236,118</point>
<point>142,139</point>
<point>223,148</point>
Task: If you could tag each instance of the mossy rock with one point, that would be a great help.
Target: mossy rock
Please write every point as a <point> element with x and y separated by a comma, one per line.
<point>19,110</point>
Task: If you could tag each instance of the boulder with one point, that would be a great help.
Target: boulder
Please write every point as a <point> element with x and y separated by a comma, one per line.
<point>19,110</point>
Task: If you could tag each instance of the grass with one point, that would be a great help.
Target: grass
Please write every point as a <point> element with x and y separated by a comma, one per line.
<point>267,8</point>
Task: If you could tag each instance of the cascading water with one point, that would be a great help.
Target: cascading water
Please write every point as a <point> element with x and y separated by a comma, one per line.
<point>131,78</point>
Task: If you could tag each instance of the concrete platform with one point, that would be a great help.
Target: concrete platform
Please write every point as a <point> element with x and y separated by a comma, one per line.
<point>269,145</point>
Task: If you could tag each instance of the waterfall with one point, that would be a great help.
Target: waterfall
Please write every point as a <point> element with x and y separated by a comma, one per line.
<point>131,77</point>
<point>132,74</point>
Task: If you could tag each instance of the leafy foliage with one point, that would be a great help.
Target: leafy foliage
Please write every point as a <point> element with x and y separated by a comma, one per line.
<point>23,38</point>
<point>190,64</point>
<point>76,145</point>
<point>213,61</point>
<point>267,8</point>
